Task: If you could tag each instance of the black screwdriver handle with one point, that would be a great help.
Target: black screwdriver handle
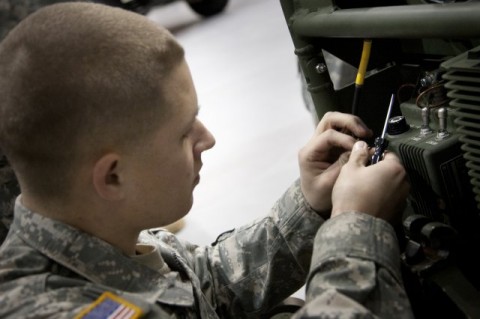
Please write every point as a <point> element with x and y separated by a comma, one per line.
<point>381,145</point>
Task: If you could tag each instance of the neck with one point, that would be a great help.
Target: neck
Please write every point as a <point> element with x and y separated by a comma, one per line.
<point>93,219</point>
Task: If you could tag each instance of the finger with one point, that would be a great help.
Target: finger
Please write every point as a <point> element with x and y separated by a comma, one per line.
<point>331,139</point>
<point>359,155</point>
<point>392,163</point>
<point>345,123</point>
<point>389,156</point>
<point>333,170</point>
<point>343,159</point>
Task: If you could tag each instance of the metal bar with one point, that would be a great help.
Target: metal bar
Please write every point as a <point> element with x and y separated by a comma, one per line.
<point>452,20</point>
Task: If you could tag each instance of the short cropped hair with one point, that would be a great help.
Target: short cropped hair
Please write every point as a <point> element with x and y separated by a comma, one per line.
<point>76,80</point>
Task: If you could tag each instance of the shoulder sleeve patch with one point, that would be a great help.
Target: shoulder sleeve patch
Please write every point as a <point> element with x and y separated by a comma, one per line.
<point>110,306</point>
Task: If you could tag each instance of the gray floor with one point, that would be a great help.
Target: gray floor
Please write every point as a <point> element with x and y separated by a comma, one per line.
<point>248,85</point>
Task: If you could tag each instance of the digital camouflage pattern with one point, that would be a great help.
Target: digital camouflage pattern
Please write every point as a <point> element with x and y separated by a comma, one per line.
<point>49,269</point>
<point>9,190</point>
<point>356,272</point>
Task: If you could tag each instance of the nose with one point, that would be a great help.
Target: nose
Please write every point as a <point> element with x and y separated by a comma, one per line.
<point>206,140</point>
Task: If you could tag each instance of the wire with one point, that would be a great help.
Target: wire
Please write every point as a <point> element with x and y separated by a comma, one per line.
<point>402,88</point>
<point>425,94</point>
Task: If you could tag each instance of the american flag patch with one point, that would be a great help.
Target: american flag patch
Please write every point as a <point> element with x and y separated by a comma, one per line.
<point>110,306</point>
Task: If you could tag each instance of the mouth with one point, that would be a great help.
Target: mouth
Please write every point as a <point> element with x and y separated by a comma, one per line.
<point>197,178</point>
<point>196,181</point>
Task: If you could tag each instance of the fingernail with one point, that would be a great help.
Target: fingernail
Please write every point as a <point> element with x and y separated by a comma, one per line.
<point>360,145</point>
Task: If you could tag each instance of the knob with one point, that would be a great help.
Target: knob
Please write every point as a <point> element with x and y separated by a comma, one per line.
<point>397,125</point>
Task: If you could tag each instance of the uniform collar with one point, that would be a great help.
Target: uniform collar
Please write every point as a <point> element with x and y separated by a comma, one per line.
<point>86,255</point>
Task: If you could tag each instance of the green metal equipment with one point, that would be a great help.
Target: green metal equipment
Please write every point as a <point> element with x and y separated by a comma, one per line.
<point>427,53</point>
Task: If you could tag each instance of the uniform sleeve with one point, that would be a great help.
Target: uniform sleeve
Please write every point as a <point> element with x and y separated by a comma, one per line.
<point>355,271</point>
<point>249,270</point>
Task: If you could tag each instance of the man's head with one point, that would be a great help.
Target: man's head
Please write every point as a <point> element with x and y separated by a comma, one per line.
<point>85,85</point>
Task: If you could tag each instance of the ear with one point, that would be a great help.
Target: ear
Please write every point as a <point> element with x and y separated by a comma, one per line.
<point>106,177</point>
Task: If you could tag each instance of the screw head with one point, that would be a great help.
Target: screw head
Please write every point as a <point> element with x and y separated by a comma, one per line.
<point>321,68</point>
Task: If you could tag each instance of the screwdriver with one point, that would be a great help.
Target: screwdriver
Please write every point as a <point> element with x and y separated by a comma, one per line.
<point>380,142</point>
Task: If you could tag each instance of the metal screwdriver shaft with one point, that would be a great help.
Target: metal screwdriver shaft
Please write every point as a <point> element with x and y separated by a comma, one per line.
<point>380,142</point>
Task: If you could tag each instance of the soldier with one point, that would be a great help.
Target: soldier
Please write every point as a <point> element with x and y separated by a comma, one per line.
<point>11,13</point>
<point>98,117</point>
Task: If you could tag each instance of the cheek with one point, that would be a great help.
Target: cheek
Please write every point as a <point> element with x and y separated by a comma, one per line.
<point>189,156</point>
<point>172,170</point>
<point>177,184</point>
<point>180,166</point>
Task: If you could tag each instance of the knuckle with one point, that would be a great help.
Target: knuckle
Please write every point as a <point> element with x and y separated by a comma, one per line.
<point>399,170</point>
<point>328,114</point>
<point>302,154</point>
<point>327,117</point>
<point>329,133</point>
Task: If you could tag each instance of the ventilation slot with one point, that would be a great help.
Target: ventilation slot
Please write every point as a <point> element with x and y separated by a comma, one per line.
<point>463,87</point>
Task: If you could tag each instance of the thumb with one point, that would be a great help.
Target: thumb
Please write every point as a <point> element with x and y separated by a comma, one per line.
<point>359,155</point>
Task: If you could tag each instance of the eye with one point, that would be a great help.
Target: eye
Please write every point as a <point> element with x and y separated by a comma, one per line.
<point>186,135</point>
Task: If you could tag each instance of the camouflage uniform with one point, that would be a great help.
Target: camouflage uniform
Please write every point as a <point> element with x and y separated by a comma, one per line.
<point>9,190</point>
<point>49,269</point>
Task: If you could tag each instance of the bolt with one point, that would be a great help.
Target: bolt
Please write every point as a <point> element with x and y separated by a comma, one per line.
<point>321,68</point>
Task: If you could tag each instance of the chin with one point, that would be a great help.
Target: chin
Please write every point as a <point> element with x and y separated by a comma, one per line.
<point>175,226</point>
<point>180,214</point>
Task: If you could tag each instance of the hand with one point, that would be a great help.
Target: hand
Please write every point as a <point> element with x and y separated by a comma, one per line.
<point>322,158</point>
<point>379,190</point>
